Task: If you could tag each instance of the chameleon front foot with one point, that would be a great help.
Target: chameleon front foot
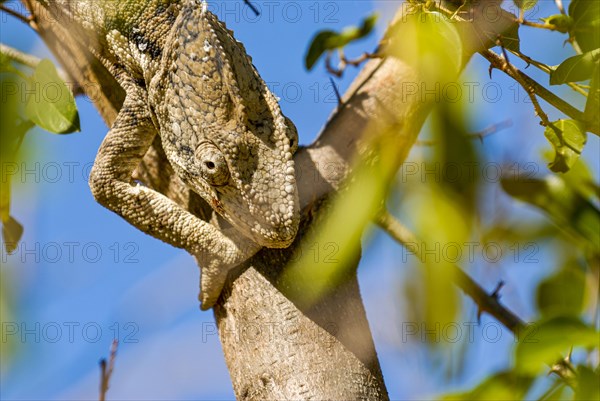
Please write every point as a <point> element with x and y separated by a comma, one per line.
<point>231,251</point>
<point>212,281</point>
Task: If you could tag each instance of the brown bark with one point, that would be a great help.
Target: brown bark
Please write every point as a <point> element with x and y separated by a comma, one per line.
<point>274,348</point>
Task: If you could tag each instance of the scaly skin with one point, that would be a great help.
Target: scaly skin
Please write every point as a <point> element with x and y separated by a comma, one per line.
<point>188,80</point>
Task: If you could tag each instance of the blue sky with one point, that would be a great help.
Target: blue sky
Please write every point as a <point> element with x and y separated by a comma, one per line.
<point>82,274</point>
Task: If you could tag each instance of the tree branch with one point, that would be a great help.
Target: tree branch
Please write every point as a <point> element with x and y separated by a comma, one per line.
<point>106,370</point>
<point>488,303</point>
<point>523,79</point>
<point>508,68</point>
<point>342,362</point>
<point>503,65</point>
<point>26,20</point>
<point>547,69</point>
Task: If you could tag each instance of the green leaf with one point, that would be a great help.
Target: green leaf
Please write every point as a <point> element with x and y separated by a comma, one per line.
<point>12,231</point>
<point>6,63</point>
<point>568,138</point>
<point>581,179</point>
<point>562,293</point>
<point>510,38</point>
<point>525,4</point>
<point>565,206</point>
<point>427,41</point>
<point>561,22</point>
<point>544,343</point>
<point>52,106</point>
<point>586,23</point>
<point>322,42</point>
<point>501,386</point>
<point>587,388</point>
<point>576,68</point>
<point>591,114</point>
<point>330,40</point>
<point>7,66</point>
<point>332,247</point>
<point>440,220</point>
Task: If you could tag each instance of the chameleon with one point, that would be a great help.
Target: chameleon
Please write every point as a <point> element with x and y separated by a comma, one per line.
<point>188,81</point>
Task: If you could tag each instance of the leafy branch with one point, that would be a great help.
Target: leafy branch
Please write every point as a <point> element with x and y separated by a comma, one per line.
<point>488,303</point>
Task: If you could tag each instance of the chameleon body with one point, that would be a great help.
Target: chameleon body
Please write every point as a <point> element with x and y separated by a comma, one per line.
<point>189,81</point>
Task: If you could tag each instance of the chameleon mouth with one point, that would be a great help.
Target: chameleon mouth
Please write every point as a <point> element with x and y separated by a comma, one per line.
<point>273,236</point>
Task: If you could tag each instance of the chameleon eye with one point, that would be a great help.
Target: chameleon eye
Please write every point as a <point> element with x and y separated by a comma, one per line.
<point>213,166</point>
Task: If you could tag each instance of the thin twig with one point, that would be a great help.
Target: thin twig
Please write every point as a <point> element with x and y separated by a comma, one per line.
<point>357,61</point>
<point>547,69</point>
<point>33,23</point>
<point>550,27</point>
<point>345,62</point>
<point>488,303</point>
<point>106,371</point>
<point>492,129</point>
<point>528,89</point>
<point>539,25</point>
<point>252,7</point>
<point>499,63</point>
<point>560,6</point>
<point>549,394</point>
<point>330,68</point>
<point>20,57</point>
<point>25,19</point>
<point>338,96</point>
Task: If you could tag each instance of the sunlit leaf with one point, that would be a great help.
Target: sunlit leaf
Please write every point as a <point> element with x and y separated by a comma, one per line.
<point>576,68</point>
<point>323,41</point>
<point>510,38</point>
<point>455,153</point>
<point>568,139</point>
<point>580,178</point>
<point>543,344</point>
<point>525,4</point>
<point>442,225</point>
<point>9,342</point>
<point>586,23</point>
<point>501,386</point>
<point>10,138</point>
<point>561,22</point>
<point>307,279</point>
<point>442,212</point>
<point>326,254</point>
<point>12,130</point>
<point>565,206</point>
<point>562,293</point>
<point>52,106</point>
<point>6,64</point>
<point>591,113</point>
<point>330,40</point>
<point>587,387</point>
<point>427,41</point>
<point>12,231</point>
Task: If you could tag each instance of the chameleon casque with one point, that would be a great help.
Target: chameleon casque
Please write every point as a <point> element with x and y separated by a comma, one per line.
<point>189,81</point>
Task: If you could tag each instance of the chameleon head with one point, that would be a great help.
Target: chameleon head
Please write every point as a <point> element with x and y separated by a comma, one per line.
<point>247,174</point>
<point>224,133</point>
